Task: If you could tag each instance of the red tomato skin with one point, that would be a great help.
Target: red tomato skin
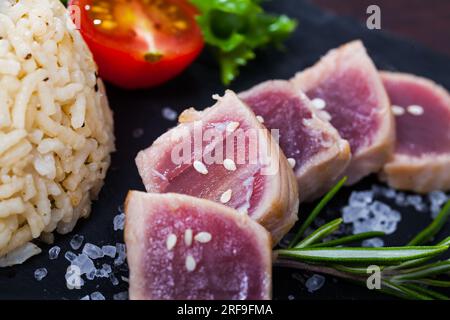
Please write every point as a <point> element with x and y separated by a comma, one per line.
<point>126,70</point>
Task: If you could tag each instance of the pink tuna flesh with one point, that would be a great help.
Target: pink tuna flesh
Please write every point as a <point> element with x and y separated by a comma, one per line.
<point>233,264</point>
<point>418,134</point>
<point>284,109</point>
<point>351,104</point>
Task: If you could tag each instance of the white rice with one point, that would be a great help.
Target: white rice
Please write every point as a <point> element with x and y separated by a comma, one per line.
<point>56,129</point>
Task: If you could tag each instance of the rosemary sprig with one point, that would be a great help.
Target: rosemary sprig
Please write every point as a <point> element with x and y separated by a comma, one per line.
<point>405,271</point>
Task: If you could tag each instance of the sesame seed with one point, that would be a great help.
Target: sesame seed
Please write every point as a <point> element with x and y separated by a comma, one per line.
<point>203,237</point>
<point>415,110</point>
<point>260,119</point>
<point>292,162</point>
<point>397,110</point>
<point>171,241</point>
<point>319,103</point>
<point>232,126</point>
<point>226,196</point>
<point>188,237</point>
<point>229,164</point>
<point>325,115</point>
<point>190,263</point>
<point>200,167</point>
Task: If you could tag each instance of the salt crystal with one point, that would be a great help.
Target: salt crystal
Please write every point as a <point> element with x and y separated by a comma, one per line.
<point>86,297</point>
<point>169,114</point>
<point>91,275</point>
<point>97,296</point>
<point>101,273</point>
<point>350,214</point>
<point>315,282</point>
<point>93,251</point>
<point>40,273</point>
<point>291,297</point>
<point>113,279</point>
<point>119,222</point>
<point>109,251</point>
<point>121,296</point>
<point>437,200</point>
<point>76,242</point>
<point>400,199</point>
<point>373,243</point>
<point>416,201</point>
<point>121,254</point>
<point>84,263</point>
<point>53,252</point>
<point>379,208</point>
<point>70,256</point>
<point>107,268</point>
<point>360,198</point>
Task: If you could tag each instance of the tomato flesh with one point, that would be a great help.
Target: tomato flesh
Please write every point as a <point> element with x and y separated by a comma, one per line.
<point>140,43</point>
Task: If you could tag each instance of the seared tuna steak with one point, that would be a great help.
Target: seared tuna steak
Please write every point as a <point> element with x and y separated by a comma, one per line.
<point>226,155</point>
<point>421,161</point>
<point>180,247</point>
<point>314,148</point>
<point>349,89</point>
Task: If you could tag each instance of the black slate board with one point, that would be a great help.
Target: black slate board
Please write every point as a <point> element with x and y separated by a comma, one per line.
<point>318,32</point>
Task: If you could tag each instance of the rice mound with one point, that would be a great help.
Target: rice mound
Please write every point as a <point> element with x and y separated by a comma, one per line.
<point>56,128</point>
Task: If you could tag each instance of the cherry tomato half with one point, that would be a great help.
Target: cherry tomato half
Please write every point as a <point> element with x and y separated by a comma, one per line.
<point>140,43</point>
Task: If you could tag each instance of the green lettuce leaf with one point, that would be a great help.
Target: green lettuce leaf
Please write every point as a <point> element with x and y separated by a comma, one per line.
<point>235,29</point>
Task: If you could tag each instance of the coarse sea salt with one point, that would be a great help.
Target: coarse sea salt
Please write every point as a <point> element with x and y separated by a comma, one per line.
<point>53,252</point>
<point>373,243</point>
<point>109,251</point>
<point>97,296</point>
<point>121,254</point>
<point>366,214</point>
<point>119,222</point>
<point>169,114</point>
<point>315,282</point>
<point>93,251</point>
<point>76,241</point>
<point>40,273</point>
<point>121,296</point>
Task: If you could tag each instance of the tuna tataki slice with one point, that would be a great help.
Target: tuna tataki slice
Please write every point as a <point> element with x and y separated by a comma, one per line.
<point>226,155</point>
<point>180,247</point>
<point>350,89</point>
<point>314,148</point>
<point>421,161</point>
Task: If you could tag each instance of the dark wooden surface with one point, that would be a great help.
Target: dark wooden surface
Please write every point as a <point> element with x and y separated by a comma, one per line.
<point>426,21</point>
